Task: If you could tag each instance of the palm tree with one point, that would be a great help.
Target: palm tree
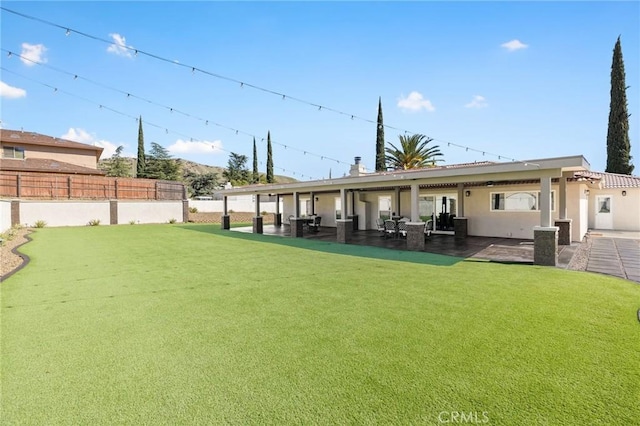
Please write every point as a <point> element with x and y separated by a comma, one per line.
<point>414,153</point>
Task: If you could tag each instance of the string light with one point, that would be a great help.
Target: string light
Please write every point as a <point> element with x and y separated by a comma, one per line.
<point>160,58</point>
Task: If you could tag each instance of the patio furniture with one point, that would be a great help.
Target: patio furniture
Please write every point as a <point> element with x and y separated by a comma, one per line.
<point>314,225</point>
<point>289,219</point>
<point>428,227</point>
<point>402,228</point>
<point>380,226</point>
<point>390,228</point>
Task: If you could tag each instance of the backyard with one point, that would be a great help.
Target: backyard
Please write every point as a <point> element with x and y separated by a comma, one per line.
<point>188,324</point>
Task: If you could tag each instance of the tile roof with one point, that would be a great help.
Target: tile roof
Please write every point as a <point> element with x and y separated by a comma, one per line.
<point>47,166</point>
<point>611,180</point>
<point>31,138</point>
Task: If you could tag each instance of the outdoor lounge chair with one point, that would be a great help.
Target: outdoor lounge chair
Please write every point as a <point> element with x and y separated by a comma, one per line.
<point>428,227</point>
<point>402,228</point>
<point>390,228</point>
<point>380,226</point>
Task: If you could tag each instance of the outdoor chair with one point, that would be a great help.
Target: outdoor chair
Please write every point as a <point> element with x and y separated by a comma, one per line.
<point>390,228</point>
<point>402,228</point>
<point>428,228</point>
<point>289,218</point>
<point>315,225</point>
<point>380,226</point>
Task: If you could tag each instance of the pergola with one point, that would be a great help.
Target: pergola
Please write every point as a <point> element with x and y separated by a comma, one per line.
<point>547,234</point>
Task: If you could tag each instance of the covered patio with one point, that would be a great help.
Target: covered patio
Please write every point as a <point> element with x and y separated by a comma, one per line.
<point>515,204</point>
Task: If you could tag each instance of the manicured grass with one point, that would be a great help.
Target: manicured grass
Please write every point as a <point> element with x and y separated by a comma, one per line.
<point>186,324</point>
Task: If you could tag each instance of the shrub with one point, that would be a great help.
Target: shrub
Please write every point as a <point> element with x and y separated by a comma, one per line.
<point>264,213</point>
<point>172,220</point>
<point>230,211</point>
<point>40,224</point>
<point>132,222</point>
<point>193,210</point>
<point>94,222</point>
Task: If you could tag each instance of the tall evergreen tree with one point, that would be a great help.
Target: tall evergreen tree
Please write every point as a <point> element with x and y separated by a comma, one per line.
<point>255,176</point>
<point>270,177</point>
<point>117,166</point>
<point>380,152</point>
<point>141,163</point>
<point>618,143</point>
<point>161,165</point>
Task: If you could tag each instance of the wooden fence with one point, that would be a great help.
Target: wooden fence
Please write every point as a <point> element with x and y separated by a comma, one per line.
<point>79,187</point>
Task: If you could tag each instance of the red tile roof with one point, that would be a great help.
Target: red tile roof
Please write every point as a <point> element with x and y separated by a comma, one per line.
<point>47,166</point>
<point>31,138</point>
<point>611,180</point>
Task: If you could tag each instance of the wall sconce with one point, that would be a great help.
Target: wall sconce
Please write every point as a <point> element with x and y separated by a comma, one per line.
<point>316,198</point>
<point>490,183</point>
<point>467,193</point>
<point>624,193</point>
<point>586,192</point>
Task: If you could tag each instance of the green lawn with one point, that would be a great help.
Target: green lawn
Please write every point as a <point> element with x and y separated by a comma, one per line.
<point>186,324</point>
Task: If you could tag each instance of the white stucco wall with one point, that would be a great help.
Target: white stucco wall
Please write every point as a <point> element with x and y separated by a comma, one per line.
<point>64,213</point>
<point>5,215</point>
<point>149,211</point>
<point>237,204</point>
<point>625,209</point>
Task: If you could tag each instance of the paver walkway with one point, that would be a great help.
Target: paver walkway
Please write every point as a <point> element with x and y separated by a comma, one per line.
<point>615,256</point>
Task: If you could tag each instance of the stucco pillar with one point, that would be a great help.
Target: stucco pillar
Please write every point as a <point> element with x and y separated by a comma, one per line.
<point>257,219</point>
<point>296,204</point>
<point>15,212</point>
<point>460,211</point>
<point>415,236</point>
<point>185,211</point>
<point>460,227</point>
<point>415,196</point>
<point>545,245</point>
<point>343,203</point>
<point>564,231</point>
<point>113,212</point>
<point>313,203</point>
<point>277,216</point>
<point>344,230</point>
<point>397,201</point>
<point>562,198</point>
<point>226,220</point>
<point>545,202</point>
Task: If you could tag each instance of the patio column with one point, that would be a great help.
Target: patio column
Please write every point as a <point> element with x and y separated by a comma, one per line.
<point>296,204</point>
<point>296,222</point>
<point>277,217</point>
<point>545,236</point>
<point>563,224</point>
<point>257,219</point>
<point>415,195</point>
<point>313,203</point>
<point>352,210</point>
<point>460,211</point>
<point>344,226</point>
<point>226,220</point>
<point>397,192</point>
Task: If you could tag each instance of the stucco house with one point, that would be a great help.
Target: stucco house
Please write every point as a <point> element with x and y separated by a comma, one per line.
<point>37,153</point>
<point>551,201</point>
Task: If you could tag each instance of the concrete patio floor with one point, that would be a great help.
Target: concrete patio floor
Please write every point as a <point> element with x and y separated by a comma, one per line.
<point>503,250</point>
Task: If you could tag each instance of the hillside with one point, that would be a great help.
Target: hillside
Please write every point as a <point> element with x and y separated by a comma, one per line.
<point>190,167</point>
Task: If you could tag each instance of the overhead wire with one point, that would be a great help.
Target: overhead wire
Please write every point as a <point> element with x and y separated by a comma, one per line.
<point>284,96</point>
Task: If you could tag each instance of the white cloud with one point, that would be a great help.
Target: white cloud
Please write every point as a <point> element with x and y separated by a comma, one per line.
<point>119,46</point>
<point>415,102</point>
<point>33,53</point>
<point>195,147</point>
<point>11,92</point>
<point>477,102</point>
<point>80,135</point>
<point>514,45</point>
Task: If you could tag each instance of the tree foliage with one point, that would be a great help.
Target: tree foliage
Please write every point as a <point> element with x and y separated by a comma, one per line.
<point>118,166</point>
<point>160,164</point>
<point>270,176</point>
<point>380,148</point>
<point>618,143</point>
<point>141,163</point>
<point>203,184</point>
<point>236,171</point>
<point>255,176</point>
<point>414,153</point>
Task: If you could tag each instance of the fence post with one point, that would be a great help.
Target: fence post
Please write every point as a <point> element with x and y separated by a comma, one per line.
<point>69,186</point>
<point>116,188</point>
<point>156,190</point>
<point>18,185</point>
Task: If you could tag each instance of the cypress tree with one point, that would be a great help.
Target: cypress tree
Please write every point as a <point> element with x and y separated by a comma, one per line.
<point>380,153</point>
<point>255,177</point>
<point>141,163</point>
<point>270,178</point>
<point>618,144</point>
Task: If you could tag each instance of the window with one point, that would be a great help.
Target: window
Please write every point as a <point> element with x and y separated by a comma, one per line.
<point>518,201</point>
<point>384,207</point>
<point>426,207</point>
<point>12,152</point>
<point>305,207</point>
<point>338,204</point>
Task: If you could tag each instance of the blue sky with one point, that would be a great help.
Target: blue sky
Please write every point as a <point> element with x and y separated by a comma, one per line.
<point>520,80</point>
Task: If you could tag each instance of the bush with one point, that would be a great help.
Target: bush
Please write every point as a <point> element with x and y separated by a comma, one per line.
<point>172,220</point>
<point>40,224</point>
<point>193,210</point>
<point>264,213</point>
<point>94,222</point>
<point>132,222</point>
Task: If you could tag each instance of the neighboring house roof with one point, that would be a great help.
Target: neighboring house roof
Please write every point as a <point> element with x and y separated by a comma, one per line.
<point>46,165</point>
<point>30,138</point>
<point>611,180</point>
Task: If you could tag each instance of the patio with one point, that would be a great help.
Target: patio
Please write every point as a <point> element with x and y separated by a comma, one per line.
<point>503,250</point>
